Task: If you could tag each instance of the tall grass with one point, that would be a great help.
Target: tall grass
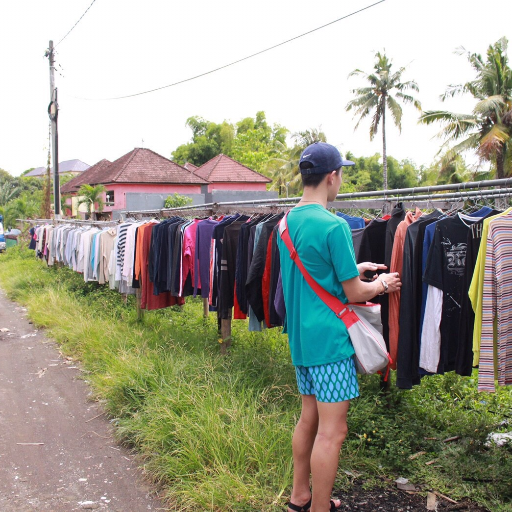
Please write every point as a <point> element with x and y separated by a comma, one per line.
<point>214,432</point>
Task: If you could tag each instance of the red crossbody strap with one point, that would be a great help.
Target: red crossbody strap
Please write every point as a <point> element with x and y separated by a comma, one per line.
<point>339,309</point>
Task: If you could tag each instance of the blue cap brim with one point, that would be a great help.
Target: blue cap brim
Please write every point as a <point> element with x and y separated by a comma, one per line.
<point>347,163</point>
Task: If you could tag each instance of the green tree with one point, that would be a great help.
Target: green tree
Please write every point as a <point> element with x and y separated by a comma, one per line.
<point>366,174</point>
<point>208,140</point>
<point>375,99</point>
<point>253,142</point>
<point>284,168</point>
<point>177,200</point>
<point>454,170</point>
<point>8,191</point>
<point>5,176</point>
<point>23,207</point>
<point>488,129</point>
<point>91,196</point>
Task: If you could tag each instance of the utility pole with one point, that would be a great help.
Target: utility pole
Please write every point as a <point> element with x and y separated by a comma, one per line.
<point>53,112</point>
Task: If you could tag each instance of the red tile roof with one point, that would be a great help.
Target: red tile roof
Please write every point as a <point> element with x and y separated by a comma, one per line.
<point>90,176</point>
<point>138,166</point>
<point>222,168</point>
<point>145,166</point>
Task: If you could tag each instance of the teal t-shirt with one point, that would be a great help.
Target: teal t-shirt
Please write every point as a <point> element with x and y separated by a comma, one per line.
<point>324,245</point>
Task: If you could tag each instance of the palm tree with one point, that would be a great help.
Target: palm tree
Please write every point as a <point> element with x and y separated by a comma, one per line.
<point>23,207</point>
<point>488,128</point>
<point>284,170</point>
<point>8,191</point>
<point>374,99</point>
<point>90,196</point>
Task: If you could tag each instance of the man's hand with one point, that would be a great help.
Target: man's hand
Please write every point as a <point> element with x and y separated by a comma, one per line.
<point>371,267</point>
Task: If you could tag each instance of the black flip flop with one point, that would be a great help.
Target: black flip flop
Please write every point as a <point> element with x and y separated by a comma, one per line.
<point>297,508</point>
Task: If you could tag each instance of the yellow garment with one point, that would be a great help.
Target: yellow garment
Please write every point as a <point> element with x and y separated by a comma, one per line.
<point>476,289</point>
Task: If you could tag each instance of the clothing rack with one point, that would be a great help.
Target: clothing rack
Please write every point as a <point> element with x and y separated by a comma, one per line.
<point>388,196</point>
<point>430,195</point>
<point>442,201</point>
<point>78,222</point>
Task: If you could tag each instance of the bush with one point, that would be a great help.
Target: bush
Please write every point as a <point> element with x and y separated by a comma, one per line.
<point>177,200</point>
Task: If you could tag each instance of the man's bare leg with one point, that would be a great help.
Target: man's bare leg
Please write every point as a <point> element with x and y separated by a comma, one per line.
<point>302,445</point>
<point>332,430</point>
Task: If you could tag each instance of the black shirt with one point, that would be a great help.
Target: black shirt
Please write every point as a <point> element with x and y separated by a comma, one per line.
<point>410,303</point>
<point>446,264</point>
<point>373,249</point>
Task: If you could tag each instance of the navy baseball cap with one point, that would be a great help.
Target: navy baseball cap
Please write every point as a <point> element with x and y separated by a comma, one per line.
<point>321,158</point>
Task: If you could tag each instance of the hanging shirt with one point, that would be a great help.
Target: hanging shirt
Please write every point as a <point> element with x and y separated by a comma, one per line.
<point>357,237</point>
<point>189,251</point>
<point>497,306</point>
<point>445,271</point>
<point>410,302</point>
<point>476,288</point>
<point>467,320</point>
<point>353,222</point>
<point>395,265</point>
<point>373,248</point>
<point>202,257</point>
<point>253,286</point>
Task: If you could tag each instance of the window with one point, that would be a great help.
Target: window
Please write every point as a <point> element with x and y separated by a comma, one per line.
<point>109,198</point>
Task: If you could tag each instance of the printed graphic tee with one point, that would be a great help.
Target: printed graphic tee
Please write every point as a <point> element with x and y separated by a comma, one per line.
<point>445,270</point>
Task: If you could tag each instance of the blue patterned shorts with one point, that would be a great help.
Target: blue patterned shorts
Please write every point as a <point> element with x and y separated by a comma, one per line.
<point>333,382</point>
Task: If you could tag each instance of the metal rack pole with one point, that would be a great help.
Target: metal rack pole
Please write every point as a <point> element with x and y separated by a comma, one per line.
<point>386,194</point>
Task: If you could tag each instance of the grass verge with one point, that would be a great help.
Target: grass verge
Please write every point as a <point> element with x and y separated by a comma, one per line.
<point>215,432</point>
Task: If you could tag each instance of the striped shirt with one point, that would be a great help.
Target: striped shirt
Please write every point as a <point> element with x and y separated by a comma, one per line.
<point>497,307</point>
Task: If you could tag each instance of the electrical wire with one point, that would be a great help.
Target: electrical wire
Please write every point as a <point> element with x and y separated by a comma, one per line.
<point>236,61</point>
<point>75,24</point>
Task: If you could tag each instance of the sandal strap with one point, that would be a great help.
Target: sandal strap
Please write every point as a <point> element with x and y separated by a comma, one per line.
<point>298,508</point>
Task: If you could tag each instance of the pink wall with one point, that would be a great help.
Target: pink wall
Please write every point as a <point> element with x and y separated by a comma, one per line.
<point>237,186</point>
<point>120,191</point>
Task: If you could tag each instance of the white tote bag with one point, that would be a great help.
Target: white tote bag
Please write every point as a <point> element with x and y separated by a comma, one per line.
<point>364,325</point>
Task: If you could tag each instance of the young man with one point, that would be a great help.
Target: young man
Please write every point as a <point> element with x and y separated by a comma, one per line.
<point>320,346</point>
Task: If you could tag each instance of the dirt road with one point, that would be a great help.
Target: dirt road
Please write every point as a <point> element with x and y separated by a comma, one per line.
<point>57,451</point>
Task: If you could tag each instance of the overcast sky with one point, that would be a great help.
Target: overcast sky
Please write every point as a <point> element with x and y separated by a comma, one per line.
<point>122,47</point>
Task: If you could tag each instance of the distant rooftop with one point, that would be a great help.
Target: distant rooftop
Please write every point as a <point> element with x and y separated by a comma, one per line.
<point>222,168</point>
<point>138,166</point>
<point>66,166</point>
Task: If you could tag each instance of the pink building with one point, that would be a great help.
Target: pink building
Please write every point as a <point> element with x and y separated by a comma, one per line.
<point>135,181</point>
<point>143,179</point>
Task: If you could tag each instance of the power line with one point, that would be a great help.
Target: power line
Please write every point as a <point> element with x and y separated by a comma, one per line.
<point>236,61</point>
<point>75,23</point>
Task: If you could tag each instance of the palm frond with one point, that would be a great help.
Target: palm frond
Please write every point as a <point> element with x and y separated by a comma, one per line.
<point>410,85</point>
<point>396,112</point>
<point>493,142</point>
<point>456,125</point>
<point>362,99</point>
<point>357,72</point>
<point>374,127</point>
<point>409,99</point>
<point>493,106</point>
<point>471,143</point>
<point>432,116</point>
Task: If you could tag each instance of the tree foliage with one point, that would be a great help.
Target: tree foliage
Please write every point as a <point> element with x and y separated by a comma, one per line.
<point>91,196</point>
<point>488,129</point>
<point>376,98</point>
<point>252,142</point>
<point>366,174</point>
<point>176,200</point>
